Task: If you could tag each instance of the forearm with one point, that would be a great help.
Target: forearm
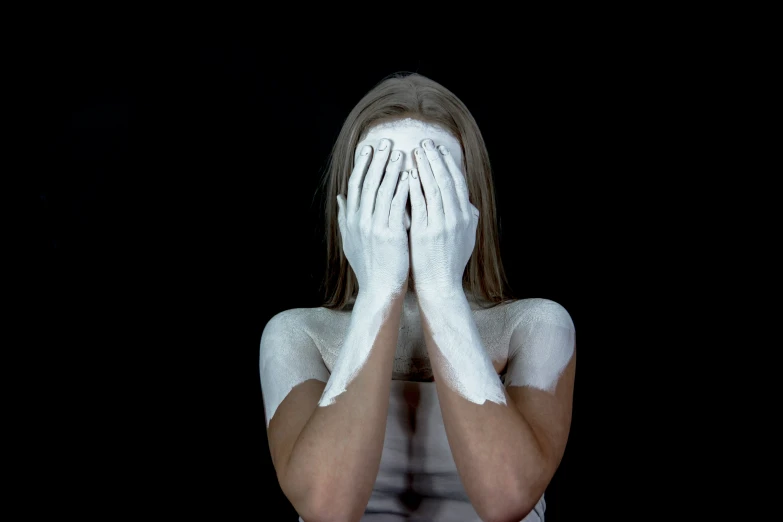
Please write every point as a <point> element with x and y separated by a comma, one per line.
<point>335,460</point>
<point>498,456</point>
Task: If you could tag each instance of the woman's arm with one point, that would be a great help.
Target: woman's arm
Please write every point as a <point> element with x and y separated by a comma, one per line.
<point>506,452</point>
<point>334,461</point>
<point>328,466</point>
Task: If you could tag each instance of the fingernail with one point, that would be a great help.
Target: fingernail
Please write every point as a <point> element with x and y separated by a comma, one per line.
<point>443,150</point>
<point>366,150</point>
<point>415,174</point>
<point>404,175</point>
<point>428,144</point>
<point>418,153</point>
<point>396,155</point>
<point>384,145</point>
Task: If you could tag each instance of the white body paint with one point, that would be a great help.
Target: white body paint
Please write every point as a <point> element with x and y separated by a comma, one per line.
<point>332,347</point>
<point>370,313</point>
<point>439,255</point>
<point>464,363</point>
<point>529,343</point>
<point>542,343</point>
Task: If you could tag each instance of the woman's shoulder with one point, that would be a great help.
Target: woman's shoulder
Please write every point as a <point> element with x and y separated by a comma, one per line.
<point>291,314</point>
<point>540,309</point>
<point>290,318</point>
<point>306,318</point>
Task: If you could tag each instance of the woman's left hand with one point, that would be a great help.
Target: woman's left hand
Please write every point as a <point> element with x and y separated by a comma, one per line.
<point>442,234</point>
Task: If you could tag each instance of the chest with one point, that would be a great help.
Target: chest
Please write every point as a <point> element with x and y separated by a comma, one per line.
<point>411,360</point>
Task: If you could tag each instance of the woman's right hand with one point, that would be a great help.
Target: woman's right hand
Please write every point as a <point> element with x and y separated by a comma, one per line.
<point>372,220</point>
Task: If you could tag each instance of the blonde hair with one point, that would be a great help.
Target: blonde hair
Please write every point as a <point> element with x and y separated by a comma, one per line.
<point>411,95</point>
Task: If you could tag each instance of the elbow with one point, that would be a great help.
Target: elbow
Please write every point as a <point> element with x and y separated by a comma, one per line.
<point>305,505</point>
<point>509,513</point>
<point>313,513</point>
<point>514,504</point>
<point>315,503</point>
<point>324,516</point>
<point>327,510</point>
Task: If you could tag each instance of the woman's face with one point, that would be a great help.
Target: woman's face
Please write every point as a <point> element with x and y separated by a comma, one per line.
<point>405,136</point>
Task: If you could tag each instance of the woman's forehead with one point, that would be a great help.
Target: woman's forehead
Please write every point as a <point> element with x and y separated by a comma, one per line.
<point>407,134</point>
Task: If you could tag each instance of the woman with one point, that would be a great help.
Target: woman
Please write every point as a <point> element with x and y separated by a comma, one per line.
<point>420,389</point>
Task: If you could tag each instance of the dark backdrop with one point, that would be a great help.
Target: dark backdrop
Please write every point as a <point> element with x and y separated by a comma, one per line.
<point>176,212</point>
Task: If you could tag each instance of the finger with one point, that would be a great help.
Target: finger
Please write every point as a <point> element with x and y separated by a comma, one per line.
<point>418,205</point>
<point>451,205</point>
<point>372,180</point>
<point>356,179</point>
<point>341,214</point>
<point>435,215</point>
<point>460,183</point>
<point>397,212</point>
<point>386,191</point>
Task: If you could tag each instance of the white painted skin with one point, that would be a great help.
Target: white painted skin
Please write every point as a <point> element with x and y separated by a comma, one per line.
<point>535,336</point>
<point>529,341</point>
<point>541,345</point>
<point>407,134</point>
<point>380,258</point>
<point>442,239</point>
<point>375,243</point>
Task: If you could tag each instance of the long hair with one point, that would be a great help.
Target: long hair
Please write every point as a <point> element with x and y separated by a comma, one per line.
<point>411,95</point>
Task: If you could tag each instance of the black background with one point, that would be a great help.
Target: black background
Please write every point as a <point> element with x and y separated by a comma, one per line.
<point>175,212</point>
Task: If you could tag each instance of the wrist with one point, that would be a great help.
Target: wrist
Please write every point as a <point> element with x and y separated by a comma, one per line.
<point>383,293</point>
<point>445,294</point>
